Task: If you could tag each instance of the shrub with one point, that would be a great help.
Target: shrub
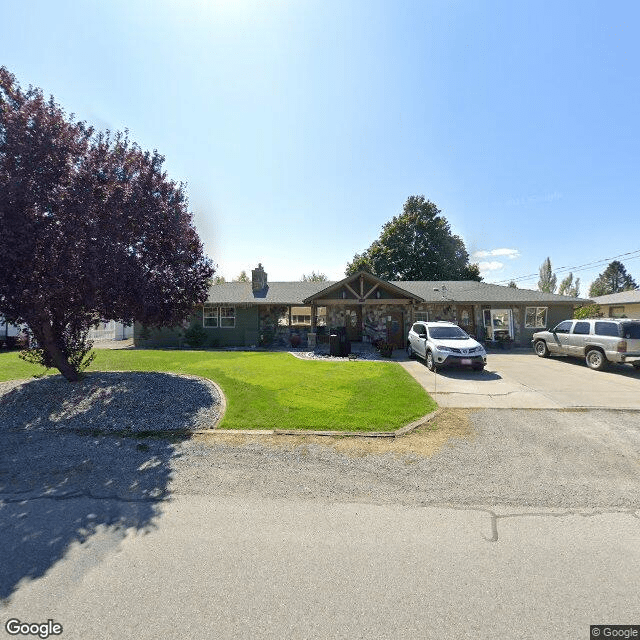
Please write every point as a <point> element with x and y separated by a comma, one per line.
<point>267,336</point>
<point>588,311</point>
<point>195,335</point>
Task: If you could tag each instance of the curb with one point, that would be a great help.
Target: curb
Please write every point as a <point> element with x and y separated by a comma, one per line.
<point>403,431</point>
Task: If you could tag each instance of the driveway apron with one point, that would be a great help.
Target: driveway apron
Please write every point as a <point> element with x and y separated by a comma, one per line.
<point>524,381</point>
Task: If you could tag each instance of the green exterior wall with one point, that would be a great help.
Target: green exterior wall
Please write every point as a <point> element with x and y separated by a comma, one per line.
<point>245,332</point>
<point>251,321</point>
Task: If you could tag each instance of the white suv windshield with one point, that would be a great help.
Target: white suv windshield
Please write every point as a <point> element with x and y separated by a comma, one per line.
<point>448,333</point>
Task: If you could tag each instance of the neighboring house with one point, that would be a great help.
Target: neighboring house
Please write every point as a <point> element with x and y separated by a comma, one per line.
<point>8,333</point>
<point>261,312</point>
<point>111,330</point>
<point>625,304</point>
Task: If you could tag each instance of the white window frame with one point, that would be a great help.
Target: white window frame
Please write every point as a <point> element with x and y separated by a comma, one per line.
<point>226,314</point>
<point>212,313</point>
<point>421,316</point>
<point>536,312</point>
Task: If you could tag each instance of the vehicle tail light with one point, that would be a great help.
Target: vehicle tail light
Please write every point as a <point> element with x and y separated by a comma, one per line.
<point>622,346</point>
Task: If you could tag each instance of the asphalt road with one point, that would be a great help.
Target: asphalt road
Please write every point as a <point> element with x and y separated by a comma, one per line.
<point>521,524</point>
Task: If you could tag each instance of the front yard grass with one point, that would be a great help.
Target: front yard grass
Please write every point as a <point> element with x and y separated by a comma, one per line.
<point>276,390</point>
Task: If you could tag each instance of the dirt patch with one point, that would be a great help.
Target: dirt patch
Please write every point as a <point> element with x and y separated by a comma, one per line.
<point>421,443</point>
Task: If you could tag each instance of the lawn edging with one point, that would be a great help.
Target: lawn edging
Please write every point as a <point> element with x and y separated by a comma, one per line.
<point>398,433</point>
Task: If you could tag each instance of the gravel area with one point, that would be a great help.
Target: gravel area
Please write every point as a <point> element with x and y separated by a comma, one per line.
<point>133,402</point>
<point>516,458</point>
<point>363,352</point>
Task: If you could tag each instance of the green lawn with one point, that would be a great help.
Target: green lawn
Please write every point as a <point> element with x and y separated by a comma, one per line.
<point>276,390</point>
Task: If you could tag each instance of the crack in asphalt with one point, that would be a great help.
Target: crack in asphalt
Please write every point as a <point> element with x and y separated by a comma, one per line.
<point>494,517</point>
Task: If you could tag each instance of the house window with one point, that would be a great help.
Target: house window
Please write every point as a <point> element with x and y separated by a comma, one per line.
<point>535,317</point>
<point>210,315</point>
<point>421,316</point>
<point>301,316</point>
<point>617,312</point>
<point>227,317</point>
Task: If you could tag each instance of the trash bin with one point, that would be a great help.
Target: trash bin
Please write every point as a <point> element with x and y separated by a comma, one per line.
<point>339,344</point>
<point>334,344</point>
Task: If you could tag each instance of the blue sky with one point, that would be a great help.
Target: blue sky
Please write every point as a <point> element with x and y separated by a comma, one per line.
<point>302,126</point>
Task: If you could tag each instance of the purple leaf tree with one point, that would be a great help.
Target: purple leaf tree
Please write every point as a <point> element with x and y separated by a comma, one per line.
<point>91,228</point>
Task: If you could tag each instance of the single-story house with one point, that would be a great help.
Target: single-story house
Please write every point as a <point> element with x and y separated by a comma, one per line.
<point>369,308</point>
<point>625,304</point>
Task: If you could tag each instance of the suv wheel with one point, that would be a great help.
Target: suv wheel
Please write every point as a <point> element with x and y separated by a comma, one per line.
<point>596,360</point>
<point>431,363</point>
<point>410,353</point>
<point>541,349</point>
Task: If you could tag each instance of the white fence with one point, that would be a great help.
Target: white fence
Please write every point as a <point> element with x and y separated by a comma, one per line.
<point>111,330</point>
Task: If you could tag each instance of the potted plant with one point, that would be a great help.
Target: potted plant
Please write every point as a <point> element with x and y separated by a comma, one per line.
<point>385,349</point>
<point>295,340</point>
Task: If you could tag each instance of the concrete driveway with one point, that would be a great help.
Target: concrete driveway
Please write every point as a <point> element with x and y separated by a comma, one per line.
<point>525,381</point>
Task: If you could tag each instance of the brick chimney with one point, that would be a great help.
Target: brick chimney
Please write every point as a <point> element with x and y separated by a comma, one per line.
<point>258,278</point>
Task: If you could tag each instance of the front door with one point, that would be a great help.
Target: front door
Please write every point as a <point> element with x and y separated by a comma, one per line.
<point>466,320</point>
<point>498,324</point>
<point>395,329</point>
<point>353,322</point>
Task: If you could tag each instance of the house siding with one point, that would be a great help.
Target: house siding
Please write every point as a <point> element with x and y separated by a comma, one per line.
<point>629,310</point>
<point>244,334</point>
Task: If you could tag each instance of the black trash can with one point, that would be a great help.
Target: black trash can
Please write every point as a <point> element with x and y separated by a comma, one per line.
<point>339,344</point>
<point>334,344</point>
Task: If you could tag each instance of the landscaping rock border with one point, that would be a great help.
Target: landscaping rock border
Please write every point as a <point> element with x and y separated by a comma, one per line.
<point>122,402</point>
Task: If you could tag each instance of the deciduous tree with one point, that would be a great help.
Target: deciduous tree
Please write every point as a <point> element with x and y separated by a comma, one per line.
<point>242,277</point>
<point>91,228</point>
<point>548,279</point>
<point>314,277</point>
<point>568,287</point>
<point>417,245</point>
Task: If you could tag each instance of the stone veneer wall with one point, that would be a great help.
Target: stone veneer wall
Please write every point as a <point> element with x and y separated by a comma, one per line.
<point>375,320</point>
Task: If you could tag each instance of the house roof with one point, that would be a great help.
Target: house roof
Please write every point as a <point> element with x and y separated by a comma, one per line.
<point>464,291</point>
<point>470,291</point>
<point>624,297</point>
<point>274,293</point>
<point>396,288</point>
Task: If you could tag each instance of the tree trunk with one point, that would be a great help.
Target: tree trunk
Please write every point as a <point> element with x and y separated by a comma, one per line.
<point>61,363</point>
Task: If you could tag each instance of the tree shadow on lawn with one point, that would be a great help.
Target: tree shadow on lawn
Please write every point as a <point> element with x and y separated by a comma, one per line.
<point>58,488</point>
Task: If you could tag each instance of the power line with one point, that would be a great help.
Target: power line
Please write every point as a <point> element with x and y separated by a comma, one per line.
<point>576,268</point>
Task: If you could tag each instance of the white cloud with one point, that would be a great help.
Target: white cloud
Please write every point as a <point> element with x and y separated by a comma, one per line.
<point>490,266</point>
<point>508,253</point>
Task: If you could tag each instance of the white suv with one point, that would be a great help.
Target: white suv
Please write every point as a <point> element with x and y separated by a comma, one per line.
<point>444,344</point>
